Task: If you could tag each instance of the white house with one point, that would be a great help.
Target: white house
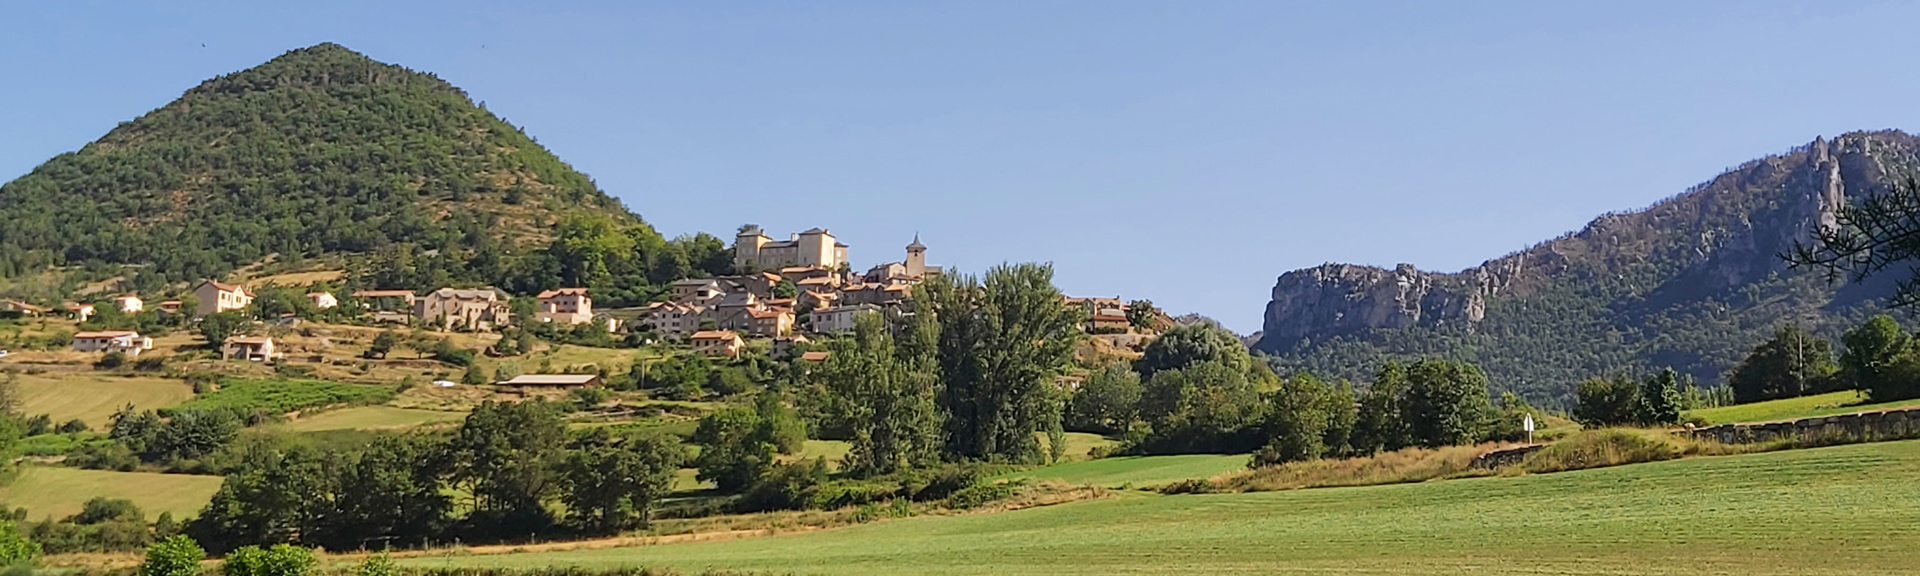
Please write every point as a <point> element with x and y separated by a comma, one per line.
<point>124,341</point>
<point>323,300</point>
<point>840,319</point>
<point>130,304</point>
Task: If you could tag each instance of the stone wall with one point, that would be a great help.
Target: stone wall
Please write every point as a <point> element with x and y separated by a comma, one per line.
<point>1504,457</point>
<point>1845,428</point>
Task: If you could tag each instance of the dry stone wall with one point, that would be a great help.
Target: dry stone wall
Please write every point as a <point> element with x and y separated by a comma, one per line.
<point>1845,428</point>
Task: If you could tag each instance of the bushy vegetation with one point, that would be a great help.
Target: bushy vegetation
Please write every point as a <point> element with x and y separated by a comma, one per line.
<point>102,525</point>
<point>1622,401</point>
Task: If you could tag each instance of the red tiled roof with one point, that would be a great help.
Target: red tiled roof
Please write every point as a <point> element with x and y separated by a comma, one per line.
<point>561,291</point>
<point>225,287</point>
<point>104,334</point>
<point>382,293</point>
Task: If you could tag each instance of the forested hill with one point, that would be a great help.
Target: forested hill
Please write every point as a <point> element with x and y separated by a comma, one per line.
<point>1691,282</point>
<point>319,151</point>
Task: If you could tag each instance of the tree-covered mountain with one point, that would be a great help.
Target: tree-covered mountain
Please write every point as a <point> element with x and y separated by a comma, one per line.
<point>324,151</point>
<point>1692,282</point>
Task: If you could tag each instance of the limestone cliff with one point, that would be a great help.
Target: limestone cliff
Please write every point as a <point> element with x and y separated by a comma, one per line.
<point>1613,290</point>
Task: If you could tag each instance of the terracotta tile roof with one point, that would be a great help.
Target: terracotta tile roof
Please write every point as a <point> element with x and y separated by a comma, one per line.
<point>715,335</point>
<point>561,291</point>
<point>225,287</point>
<point>815,356</point>
<point>382,293</point>
<point>105,334</point>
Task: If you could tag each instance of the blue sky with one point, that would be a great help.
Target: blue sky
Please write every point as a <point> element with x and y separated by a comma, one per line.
<point>1188,153</point>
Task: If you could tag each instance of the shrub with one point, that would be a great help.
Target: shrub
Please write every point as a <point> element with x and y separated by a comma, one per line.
<point>979,495</point>
<point>150,364</point>
<point>111,361</point>
<point>1600,448</point>
<point>785,487</point>
<point>948,479</point>
<point>378,565</point>
<point>15,548</point>
<point>175,556</point>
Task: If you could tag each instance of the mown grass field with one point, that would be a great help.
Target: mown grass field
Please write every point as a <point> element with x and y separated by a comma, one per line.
<point>1844,402</point>
<point>59,492</point>
<point>371,418</point>
<point>93,397</point>
<point>1840,510</point>
<point>1138,471</point>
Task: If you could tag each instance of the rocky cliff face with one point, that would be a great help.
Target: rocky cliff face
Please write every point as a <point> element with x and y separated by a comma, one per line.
<point>1711,241</point>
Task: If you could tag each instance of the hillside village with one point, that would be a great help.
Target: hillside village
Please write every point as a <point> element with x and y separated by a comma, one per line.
<point>800,289</point>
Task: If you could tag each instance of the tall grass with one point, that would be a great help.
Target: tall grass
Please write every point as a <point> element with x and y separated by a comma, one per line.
<point>1616,446</point>
<point>1396,467</point>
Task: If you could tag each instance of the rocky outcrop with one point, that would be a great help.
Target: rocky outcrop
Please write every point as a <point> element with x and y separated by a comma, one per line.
<point>1715,239</point>
<point>1341,298</point>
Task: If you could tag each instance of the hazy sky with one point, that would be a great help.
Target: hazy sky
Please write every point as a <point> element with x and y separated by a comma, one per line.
<point>1185,152</point>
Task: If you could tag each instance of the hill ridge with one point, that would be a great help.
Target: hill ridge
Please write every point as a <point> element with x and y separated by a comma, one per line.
<point>320,150</point>
<point>1623,283</point>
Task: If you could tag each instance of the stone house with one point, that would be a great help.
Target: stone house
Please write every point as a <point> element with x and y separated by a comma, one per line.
<point>216,297</point>
<point>565,306</point>
<point>717,343</point>
<point>255,348</point>
<point>674,318</point>
<point>479,309</point>
<point>753,250</point>
<point>696,290</point>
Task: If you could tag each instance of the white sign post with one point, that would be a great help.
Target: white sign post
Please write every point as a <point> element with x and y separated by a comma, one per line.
<point>1528,425</point>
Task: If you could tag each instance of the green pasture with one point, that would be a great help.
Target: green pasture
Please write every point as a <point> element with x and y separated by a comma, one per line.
<point>1843,402</point>
<point>1839,510</point>
<point>1138,471</point>
<point>47,491</point>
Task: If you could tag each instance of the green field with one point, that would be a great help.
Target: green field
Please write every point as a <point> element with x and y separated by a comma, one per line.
<point>59,492</point>
<point>1139,471</point>
<point>1844,402</point>
<point>1839,510</point>
<point>283,396</point>
<point>371,418</point>
<point>93,397</point>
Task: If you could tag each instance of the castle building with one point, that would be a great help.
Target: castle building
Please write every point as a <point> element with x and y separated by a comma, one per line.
<point>754,251</point>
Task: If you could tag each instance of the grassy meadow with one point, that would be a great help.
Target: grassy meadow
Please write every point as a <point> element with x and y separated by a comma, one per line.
<point>1837,510</point>
<point>59,492</point>
<point>1138,471</point>
<point>1843,402</point>
<point>93,397</point>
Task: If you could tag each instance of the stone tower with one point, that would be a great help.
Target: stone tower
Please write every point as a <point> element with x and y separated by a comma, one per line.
<point>916,258</point>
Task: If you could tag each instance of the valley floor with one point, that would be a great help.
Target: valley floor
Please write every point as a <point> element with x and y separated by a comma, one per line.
<point>1838,510</point>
